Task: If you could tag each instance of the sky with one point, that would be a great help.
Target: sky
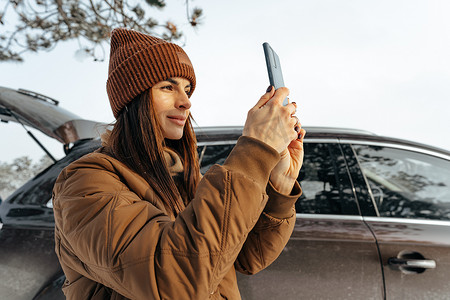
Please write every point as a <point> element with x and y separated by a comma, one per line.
<point>381,66</point>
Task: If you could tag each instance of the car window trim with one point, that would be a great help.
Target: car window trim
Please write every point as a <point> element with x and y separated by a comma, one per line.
<point>396,146</point>
<point>330,217</point>
<point>407,221</point>
<point>321,140</point>
<point>215,143</point>
<point>232,142</point>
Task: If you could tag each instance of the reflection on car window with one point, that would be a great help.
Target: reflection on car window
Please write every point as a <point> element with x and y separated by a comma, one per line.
<point>325,182</point>
<point>407,184</point>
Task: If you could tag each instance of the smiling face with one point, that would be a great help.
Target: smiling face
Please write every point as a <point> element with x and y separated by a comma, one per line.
<point>171,104</point>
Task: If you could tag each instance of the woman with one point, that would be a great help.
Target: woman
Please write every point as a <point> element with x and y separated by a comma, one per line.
<point>134,220</point>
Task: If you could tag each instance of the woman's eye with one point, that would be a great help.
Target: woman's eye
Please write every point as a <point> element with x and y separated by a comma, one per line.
<point>188,92</point>
<point>167,87</point>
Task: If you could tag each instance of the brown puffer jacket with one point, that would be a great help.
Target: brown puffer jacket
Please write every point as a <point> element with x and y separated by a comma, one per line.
<point>115,239</point>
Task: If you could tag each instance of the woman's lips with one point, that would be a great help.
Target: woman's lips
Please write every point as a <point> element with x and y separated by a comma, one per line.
<point>179,120</point>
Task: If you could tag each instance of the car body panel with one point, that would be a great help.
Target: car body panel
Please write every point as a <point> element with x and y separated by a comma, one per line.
<point>425,239</point>
<point>327,257</point>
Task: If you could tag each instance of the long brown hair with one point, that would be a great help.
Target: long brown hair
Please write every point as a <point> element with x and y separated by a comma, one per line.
<point>137,141</point>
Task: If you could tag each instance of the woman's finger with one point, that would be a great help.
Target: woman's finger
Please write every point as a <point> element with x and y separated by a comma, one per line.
<point>279,96</point>
<point>264,98</point>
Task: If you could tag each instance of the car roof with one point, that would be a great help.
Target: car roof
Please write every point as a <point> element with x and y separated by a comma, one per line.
<point>232,133</point>
<point>44,114</point>
<point>316,131</point>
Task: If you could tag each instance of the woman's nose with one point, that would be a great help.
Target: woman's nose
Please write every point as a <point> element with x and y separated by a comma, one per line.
<point>183,101</point>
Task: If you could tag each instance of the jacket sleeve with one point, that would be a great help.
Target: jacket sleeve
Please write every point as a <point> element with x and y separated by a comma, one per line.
<point>271,233</point>
<point>115,238</point>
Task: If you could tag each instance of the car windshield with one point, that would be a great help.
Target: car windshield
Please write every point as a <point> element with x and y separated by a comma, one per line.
<point>38,190</point>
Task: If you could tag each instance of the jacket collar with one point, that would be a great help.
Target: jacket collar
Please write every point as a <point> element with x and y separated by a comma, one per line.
<point>173,161</point>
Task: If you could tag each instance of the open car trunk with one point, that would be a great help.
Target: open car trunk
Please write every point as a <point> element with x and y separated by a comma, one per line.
<point>43,113</point>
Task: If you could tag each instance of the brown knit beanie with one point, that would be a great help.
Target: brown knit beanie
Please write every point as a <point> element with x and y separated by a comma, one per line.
<point>139,61</point>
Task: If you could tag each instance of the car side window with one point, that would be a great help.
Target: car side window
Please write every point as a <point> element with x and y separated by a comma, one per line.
<point>406,184</point>
<point>324,178</point>
<point>325,182</point>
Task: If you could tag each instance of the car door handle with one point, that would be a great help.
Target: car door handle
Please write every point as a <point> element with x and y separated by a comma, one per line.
<point>412,263</point>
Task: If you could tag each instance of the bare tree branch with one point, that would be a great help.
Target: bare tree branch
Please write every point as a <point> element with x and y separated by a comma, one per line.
<point>42,24</point>
<point>62,13</point>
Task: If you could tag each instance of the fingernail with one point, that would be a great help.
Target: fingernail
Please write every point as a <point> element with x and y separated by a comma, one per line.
<point>297,129</point>
<point>299,136</point>
<point>269,89</point>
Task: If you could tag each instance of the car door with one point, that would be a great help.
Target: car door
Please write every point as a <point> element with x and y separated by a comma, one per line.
<point>411,189</point>
<point>331,254</point>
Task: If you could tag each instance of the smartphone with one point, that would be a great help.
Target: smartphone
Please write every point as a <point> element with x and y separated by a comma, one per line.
<point>274,68</point>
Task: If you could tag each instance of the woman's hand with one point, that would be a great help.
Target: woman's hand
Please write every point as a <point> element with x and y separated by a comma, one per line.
<point>285,173</point>
<point>271,122</point>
